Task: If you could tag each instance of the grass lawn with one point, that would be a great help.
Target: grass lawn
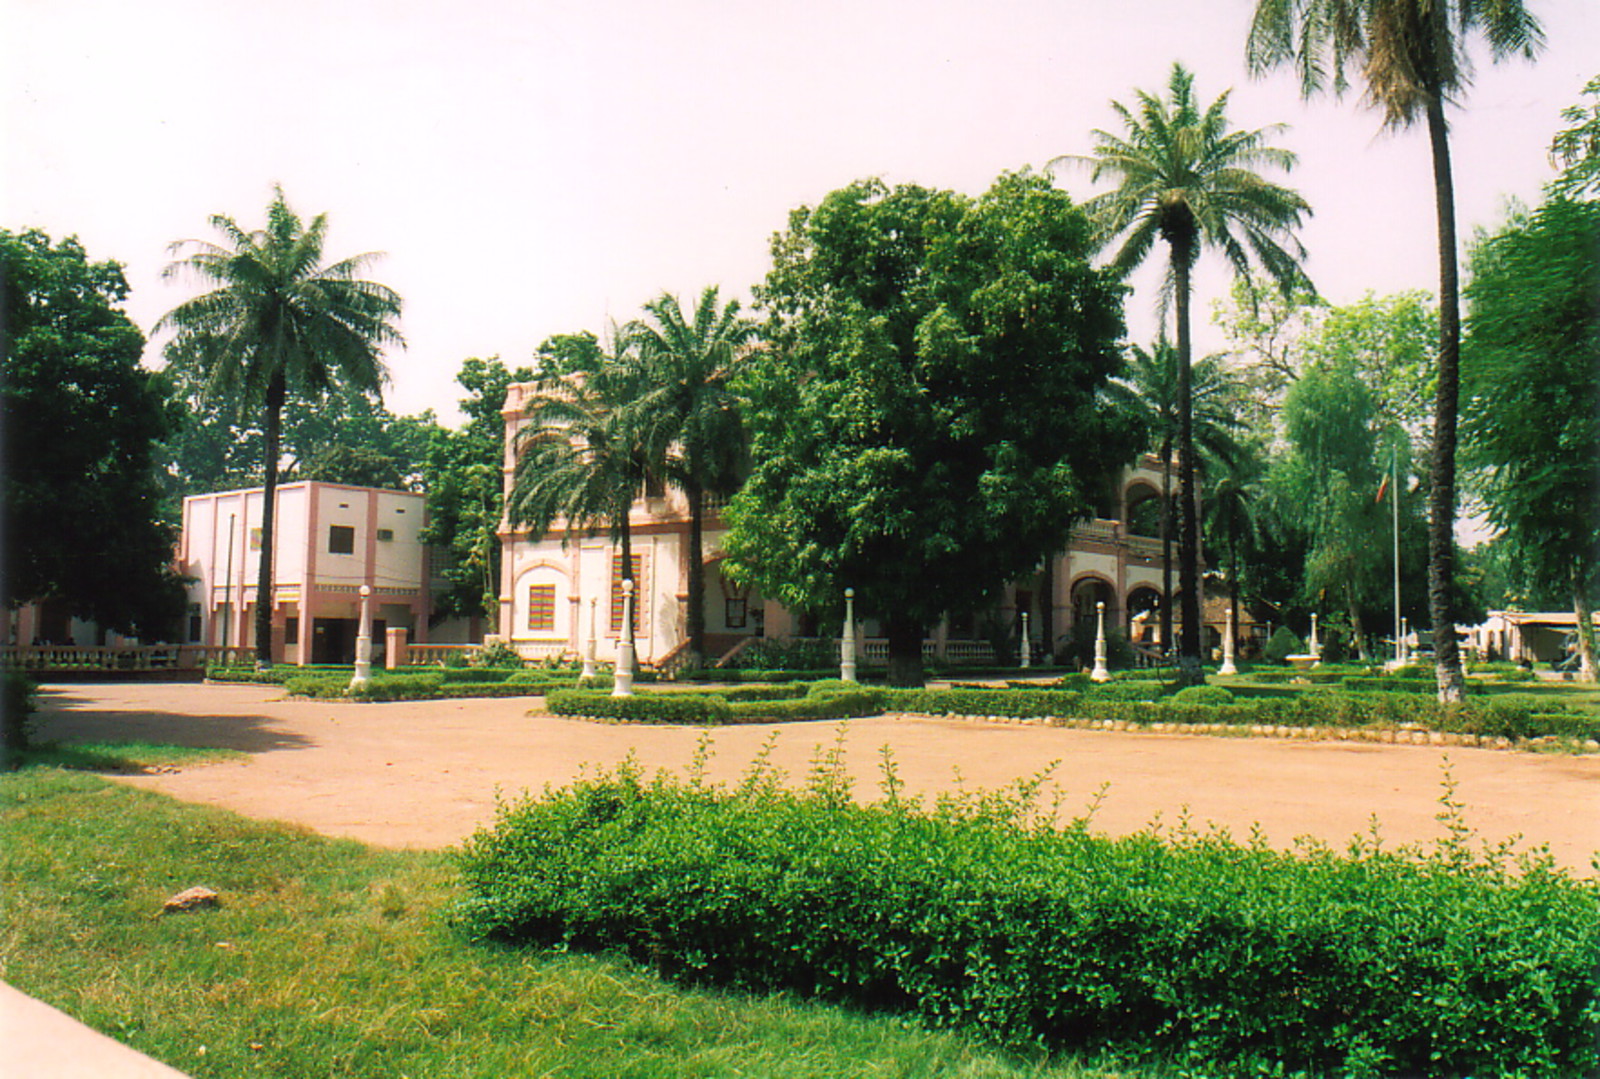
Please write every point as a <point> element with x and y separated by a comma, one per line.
<point>328,958</point>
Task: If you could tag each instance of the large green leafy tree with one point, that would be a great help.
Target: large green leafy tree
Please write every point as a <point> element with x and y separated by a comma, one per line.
<point>1412,55</point>
<point>346,436</point>
<point>692,417</point>
<point>582,457</point>
<point>279,323</point>
<point>1531,395</point>
<point>1576,148</point>
<point>1327,484</point>
<point>927,418</point>
<point>78,416</point>
<point>1183,177</point>
<point>466,491</point>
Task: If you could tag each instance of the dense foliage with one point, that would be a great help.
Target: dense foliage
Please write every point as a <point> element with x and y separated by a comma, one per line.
<point>971,915</point>
<point>1531,387</point>
<point>78,419</point>
<point>926,418</point>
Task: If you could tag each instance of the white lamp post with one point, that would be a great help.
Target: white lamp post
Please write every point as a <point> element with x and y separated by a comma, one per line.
<point>1404,645</point>
<point>1100,673</point>
<point>589,646</point>
<point>1027,645</point>
<point>363,674</point>
<point>1227,647</point>
<point>847,642</point>
<point>622,681</point>
<point>1316,645</point>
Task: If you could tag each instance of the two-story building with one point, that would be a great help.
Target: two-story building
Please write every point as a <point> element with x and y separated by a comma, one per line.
<point>330,539</point>
<point>558,589</point>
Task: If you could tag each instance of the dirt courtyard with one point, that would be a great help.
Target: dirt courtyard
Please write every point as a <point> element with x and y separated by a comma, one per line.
<point>425,774</point>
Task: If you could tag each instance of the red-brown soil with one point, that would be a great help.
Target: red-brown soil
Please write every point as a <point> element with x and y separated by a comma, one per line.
<point>425,774</point>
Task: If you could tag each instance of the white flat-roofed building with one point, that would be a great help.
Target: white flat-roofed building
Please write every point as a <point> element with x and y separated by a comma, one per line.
<point>330,540</point>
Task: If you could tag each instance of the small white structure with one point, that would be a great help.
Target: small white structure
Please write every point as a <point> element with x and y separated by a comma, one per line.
<point>332,542</point>
<point>1534,636</point>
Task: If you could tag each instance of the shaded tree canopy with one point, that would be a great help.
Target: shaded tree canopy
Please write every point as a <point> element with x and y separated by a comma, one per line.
<point>928,418</point>
<point>81,496</point>
<point>1531,388</point>
<point>465,491</point>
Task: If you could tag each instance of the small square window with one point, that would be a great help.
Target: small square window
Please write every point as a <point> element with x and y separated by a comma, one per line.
<point>385,535</point>
<point>291,630</point>
<point>341,539</point>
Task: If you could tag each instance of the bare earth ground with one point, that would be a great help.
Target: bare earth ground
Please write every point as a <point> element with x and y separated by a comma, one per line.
<point>425,774</point>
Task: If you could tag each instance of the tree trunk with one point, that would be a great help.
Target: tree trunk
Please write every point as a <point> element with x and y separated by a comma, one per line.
<point>1190,671</point>
<point>1166,545</point>
<point>695,616</point>
<point>905,651</point>
<point>1047,619</point>
<point>1585,626</point>
<point>277,390</point>
<point>1442,498</point>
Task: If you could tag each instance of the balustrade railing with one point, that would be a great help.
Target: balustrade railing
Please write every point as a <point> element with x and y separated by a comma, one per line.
<point>149,657</point>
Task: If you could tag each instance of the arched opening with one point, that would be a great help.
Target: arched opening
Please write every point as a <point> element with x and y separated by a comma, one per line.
<point>1144,617</point>
<point>1144,511</point>
<point>1088,591</point>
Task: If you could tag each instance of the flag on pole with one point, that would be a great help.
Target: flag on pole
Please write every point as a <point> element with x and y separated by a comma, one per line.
<point>1383,488</point>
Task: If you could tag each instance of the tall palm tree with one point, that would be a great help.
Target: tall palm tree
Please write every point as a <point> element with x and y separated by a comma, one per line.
<point>278,322</point>
<point>580,456</point>
<point>1183,177</point>
<point>692,416</point>
<point>1231,496</point>
<point>1150,390</point>
<point>1413,58</point>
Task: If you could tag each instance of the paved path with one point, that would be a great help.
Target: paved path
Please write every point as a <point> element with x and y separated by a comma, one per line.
<point>40,1042</point>
<point>425,774</point>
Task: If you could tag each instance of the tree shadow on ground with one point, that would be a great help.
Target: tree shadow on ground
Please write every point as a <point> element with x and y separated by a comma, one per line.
<point>59,719</point>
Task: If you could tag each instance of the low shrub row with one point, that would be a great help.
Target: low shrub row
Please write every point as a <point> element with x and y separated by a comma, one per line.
<point>416,685</point>
<point>711,708</point>
<point>1396,683</point>
<point>1196,948</point>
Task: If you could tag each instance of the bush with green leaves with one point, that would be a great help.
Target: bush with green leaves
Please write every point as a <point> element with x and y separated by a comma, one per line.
<point>1283,643</point>
<point>788,654</point>
<point>1202,695</point>
<point>977,915</point>
<point>1142,689</point>
<point>1032,701</point>
<point>715,708</point>
<point>19,696</point>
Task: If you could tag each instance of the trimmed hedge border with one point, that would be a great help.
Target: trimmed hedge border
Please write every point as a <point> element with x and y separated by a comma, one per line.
<point>1228,958</point>
<point>712,709</point>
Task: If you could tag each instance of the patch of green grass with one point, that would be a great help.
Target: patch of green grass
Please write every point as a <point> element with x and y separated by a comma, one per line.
<point>330,958</point>
<point>124,756</point>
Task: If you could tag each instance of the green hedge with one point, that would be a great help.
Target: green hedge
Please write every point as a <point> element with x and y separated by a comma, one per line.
<point>714,708</point>
<point>728,674</point>
<point>985,702</point>
<point>1232,959</point>
<point>1392,683</point>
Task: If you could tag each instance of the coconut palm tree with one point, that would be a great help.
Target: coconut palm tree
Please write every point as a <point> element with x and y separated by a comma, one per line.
<point>1412,55</point>
<point>580,456</point>
<point>279,323</point>
<point>1184,177</point>
<point>1150,390</point>
<point>692,416</point>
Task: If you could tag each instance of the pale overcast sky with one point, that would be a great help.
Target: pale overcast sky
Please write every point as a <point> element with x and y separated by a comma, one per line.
<point>535,168</point>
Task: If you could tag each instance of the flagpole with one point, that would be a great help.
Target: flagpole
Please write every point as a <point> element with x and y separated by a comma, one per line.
<point>1394,471</point>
